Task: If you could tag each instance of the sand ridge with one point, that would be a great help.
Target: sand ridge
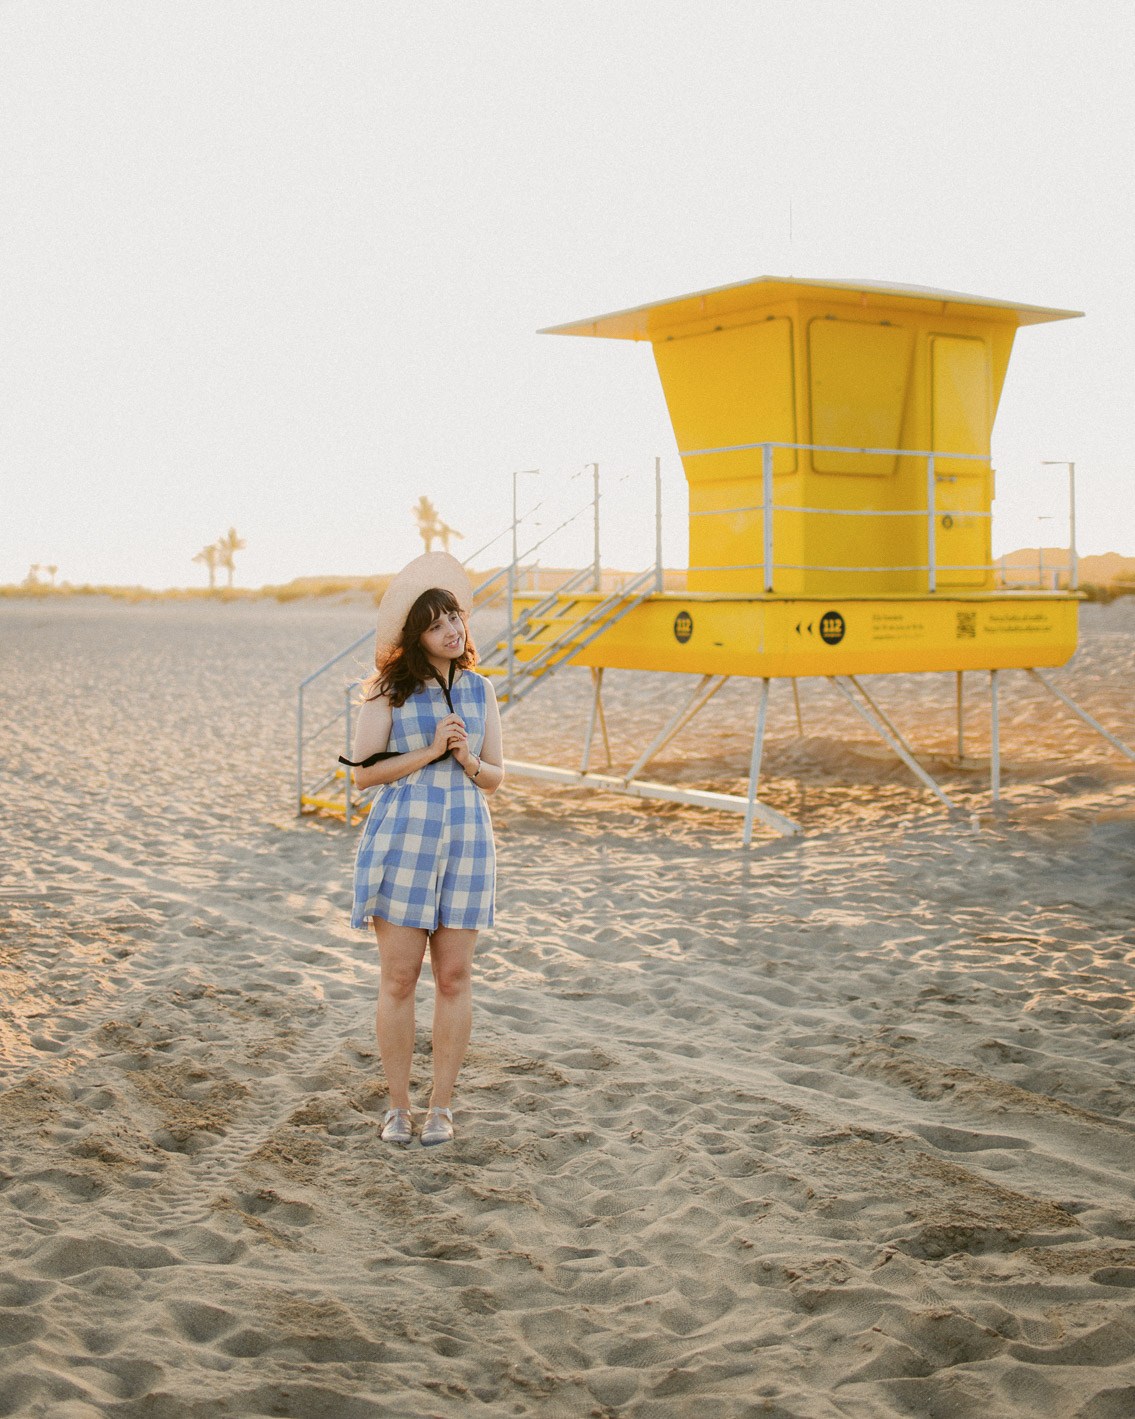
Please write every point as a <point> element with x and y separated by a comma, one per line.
<point>843,1126</point>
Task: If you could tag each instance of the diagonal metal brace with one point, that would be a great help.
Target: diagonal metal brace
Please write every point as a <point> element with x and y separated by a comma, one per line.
<point>884,733</point>
<point>596,716</point>
<point>888,722</point>
<point>704,691</point>
<point>1083,714</point>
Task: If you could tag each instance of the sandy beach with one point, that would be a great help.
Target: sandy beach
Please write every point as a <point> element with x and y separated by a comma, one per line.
<point>840,1127</point>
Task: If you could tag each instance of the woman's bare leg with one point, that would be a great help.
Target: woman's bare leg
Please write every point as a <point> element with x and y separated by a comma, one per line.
<point>451,958</point>
<point>401,950</point>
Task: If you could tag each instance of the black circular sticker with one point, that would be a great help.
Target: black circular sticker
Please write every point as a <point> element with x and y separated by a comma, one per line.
<point>683,627</point>
<point>832,627</point>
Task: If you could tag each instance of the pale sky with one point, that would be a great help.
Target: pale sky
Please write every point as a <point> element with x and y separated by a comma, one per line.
<point>280,265</point>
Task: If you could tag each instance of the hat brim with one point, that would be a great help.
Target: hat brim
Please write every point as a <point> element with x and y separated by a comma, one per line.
<point>431,569</point>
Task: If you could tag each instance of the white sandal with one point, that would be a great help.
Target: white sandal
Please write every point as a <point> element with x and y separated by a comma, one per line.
<point>438,1127</point>
<point>397,1126</point>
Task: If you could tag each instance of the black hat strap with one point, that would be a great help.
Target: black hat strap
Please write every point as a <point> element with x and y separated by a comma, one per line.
<point>373,759</point>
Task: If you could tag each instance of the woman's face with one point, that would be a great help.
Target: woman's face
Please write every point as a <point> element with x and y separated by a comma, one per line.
<point>444,639</point>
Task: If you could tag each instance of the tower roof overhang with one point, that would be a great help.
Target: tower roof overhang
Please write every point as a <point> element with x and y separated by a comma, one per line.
<point>659,318</point>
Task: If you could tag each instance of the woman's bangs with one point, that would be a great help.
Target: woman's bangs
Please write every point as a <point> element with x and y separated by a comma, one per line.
<point>442,603</point>
<point>430,605</point>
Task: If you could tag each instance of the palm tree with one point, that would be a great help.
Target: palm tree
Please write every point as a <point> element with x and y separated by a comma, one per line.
<point>51,573</point>
<point>208,555</point>
<point>425,515</point>
<point>445,532</point>
<point>227,548</point>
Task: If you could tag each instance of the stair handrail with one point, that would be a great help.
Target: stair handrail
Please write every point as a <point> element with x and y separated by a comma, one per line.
<point>629,596</point>
<point>522,624</point>
<point>315,674</point>
<point>507,528</point>
<point>523,556</point>
<point>484,585</point>
<point>597,613</point>
<point>303,740</point>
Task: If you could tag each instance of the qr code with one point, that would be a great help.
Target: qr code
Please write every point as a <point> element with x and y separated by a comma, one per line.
<point>967,625</point>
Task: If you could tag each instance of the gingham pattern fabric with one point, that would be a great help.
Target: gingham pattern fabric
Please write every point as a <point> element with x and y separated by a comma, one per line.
<point>426,855</point>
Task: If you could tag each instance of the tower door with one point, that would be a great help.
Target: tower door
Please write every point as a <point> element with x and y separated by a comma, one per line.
<point>961,407</point>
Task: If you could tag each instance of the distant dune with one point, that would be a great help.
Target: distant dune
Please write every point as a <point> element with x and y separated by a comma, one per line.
<point>1110,569</point>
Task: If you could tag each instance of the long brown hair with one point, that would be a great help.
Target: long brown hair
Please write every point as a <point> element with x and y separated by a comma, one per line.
<point>406,668</point>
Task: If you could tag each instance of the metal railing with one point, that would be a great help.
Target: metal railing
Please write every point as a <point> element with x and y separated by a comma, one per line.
<point>929,514</point>
<point>303,739</point>
<point>592,572</point>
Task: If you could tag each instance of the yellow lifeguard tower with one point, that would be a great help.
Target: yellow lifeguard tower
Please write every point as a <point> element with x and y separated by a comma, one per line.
<point>835,437</point>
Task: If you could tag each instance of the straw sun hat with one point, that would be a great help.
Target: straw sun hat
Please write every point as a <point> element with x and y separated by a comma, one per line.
<point>422,574</point>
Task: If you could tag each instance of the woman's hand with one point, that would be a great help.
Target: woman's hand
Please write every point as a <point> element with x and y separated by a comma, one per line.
<point>450,734</point>
<point>459,746</point>
<point>462,752</point>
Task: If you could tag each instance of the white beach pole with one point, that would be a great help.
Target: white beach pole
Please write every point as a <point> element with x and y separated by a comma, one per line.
<point>995,741</point>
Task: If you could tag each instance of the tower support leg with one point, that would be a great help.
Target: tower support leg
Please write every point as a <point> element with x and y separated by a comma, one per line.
<point>603,731</point>
<point>881,715</point>
<point>994,739</point>
<point>755,761</point>
<point>796,702</point>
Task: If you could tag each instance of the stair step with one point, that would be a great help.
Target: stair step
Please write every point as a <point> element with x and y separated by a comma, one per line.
<point>535,651</point>
<point>533,647</point>
<point>333,805</point>
<point>564,621</point>
<point>561,642</point>
<point>523,673</point>
<point>540,642</point>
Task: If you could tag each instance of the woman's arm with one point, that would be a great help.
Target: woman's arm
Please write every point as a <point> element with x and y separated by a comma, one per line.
<point>373,734</point>
<point>491,774</point>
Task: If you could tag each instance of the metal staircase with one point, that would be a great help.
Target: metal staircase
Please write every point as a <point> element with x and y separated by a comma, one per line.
<point>553,631</point>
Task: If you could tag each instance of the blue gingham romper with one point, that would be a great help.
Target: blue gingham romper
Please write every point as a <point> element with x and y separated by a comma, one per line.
<point>426,856</point>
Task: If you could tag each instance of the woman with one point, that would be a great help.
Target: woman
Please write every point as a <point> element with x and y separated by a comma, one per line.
<point>429,735</point>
